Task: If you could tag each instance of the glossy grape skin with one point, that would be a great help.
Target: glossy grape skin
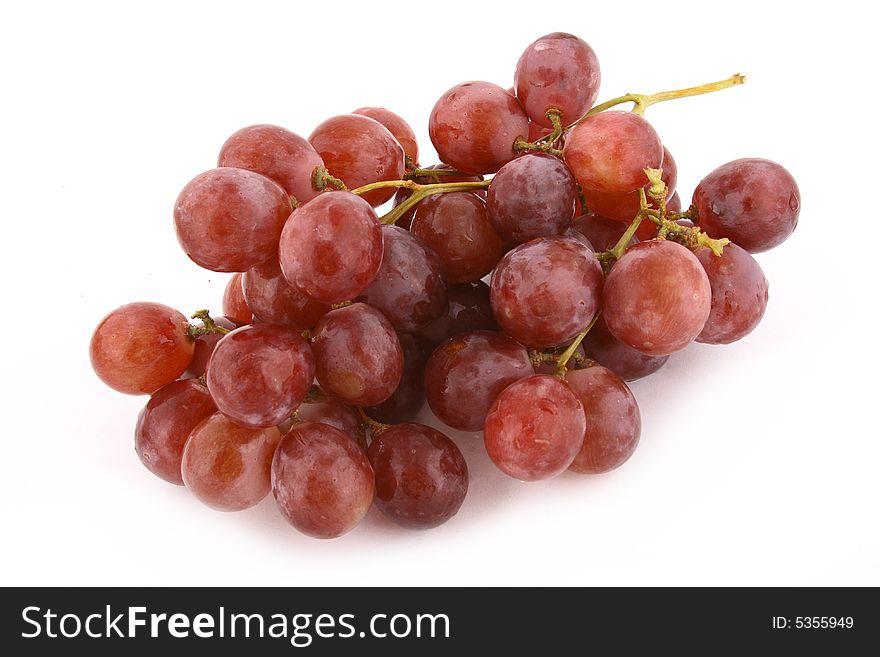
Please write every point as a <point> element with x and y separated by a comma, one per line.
<point>421,475</point>
<point>277,153</point>
<point>409,396</point>
<point>166,422</point>
<point>358,356</point>
<point>558,71</point>
<point>455,226</point>
<point>546,291</point>
<point>614,423</point>
<point>227,466</point>
<point>401,130</point>
<point>603,233</point>
<point>466,373</point>
<point>739,294</point>
<point>468,309</point>
<point>657,297</point>
<point>752,202</point>
<point>234,304</point>
<point>140,347</point>
<point>260,373</point>
<point>322,482</point>
<point>230,219</point>
<point>360,150</point>
<point>473,127</point>
<point>609,151</point>
<point>331,247</point>
<point>274,300</point>
<point>628,363</point>
<point>410,287</point>
<point>535,428</point>
<point>335,413</point>
<point>532,196</point>
<point>203,347</point>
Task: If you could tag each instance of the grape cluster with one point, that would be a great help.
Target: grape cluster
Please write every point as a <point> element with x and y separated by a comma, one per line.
<point>339,324</point>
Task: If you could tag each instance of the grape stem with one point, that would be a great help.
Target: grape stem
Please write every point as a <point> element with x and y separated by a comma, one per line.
<point>208,325</point>
<point>544,144</point>
<point>562,361</point>
<point>419,193</point>
<point>322,180</point>
<point>371,424</point>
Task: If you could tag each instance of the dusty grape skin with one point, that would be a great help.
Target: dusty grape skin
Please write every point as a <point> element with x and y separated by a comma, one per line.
<point>473,127</point>
<point>421,475</point>
<point>260,373</point>
<point>410,287</point>
<point>533,196</point>
<point>456,227</point>
<point>203,347</point>
<point>401,130</point>
<point>610,151</point>
<point>409,396</point>
<point>277,153</point>
<point>545,292</point>
<point>558,71</point>
<point>751,201</point>
<point>227,466</point>
<point>739,294</point>
<point>230,219</point>
<point>465,374</point>
<point>535,428</point>
<point>657,297</point>
<point>468,309</point>
<point>628,363</point>
<point>322,482</point>
<point>234,304</point>
<point>360,150</point>
<point>273,300</point>
<point>603,233</point>
<point>614,423</point>
<point>140,347</point>
<point>358,356</point>
<point>335,413</point>
<point>166,422</point>
<point>331,247</point>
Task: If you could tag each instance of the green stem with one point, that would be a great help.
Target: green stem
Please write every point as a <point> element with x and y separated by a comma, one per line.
<point>419,193</point>
<point>322,180</point>
<point>561,367</point>
<point>371,424</point>
<point>208,325</point>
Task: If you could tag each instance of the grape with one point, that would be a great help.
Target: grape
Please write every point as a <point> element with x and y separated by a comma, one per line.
<point>535,428</point>
<point>752,202</point>
<point>322,482</point>
<point>532,196</point>
<point>546,291</point>
<point>279,154</point>
<point>166,422</point>
<point>537,131</point>
<point>657,297</point>
<point>234,304</point>
<point>421,476</point>
<point>409,287</point>
<point>603,233</point>
<point>203,347</point>
<point>674,204</point>
<point>401,130</point>
<point>230,219</point>
<point>330,410</point>
<point>456,227</point>
<point>465,374</point>
<point>613,420</point>
<point>227,466</point>
<point>275,301</point>
<point>357,354</point>
<point>260,373</point>
<point>739,294</point>
<point>474,125</point>
<point>609,151</point>
<point>140,347</point>
<point>558,71</point>
<point>628,363</point>
<point>468,309</point>
<point>360,151</point>
<point>409,396</point>
<point>405,220</point>
<point>580,237</point>
<point>331,247</point>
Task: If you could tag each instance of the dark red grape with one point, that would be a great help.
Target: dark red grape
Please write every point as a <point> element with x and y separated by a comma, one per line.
<point>409,396</point>
<point>330,410</point>
<point>401,130</point>
<point>140,347</point>
<point>230,219</point>
<point>260,373</point>
<point>535,428</point>
<point>628,363</point>
<point>468,309</point>
<point>322,481</point>
<point>275,301</point>
<point>234,304</point>
<point>421,476</point>
<point>614,423</point>
<point>203,347</point>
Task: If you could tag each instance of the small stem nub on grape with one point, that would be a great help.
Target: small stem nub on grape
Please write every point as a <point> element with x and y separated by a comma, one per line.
<point>322,180</point>
<point>208,325</point>
<point>546,143</point>
<point>369,423</point>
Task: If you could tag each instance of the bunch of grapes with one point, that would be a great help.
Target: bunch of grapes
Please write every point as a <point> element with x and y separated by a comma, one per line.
<point>517,305</point>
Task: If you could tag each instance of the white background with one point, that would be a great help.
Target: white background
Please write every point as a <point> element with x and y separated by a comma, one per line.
<point>758,462</point>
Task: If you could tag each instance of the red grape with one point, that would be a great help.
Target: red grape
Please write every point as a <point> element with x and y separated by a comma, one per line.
<point>234,304</point>
<point>203,347</point>
<point>330,410</point>
<point>469,309</point>
<point>409,396</point>
<point>275,301</point>
<point>626,362</point>
<point>401,130</point>
<point>603,233</point>
<point>140,347</point>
